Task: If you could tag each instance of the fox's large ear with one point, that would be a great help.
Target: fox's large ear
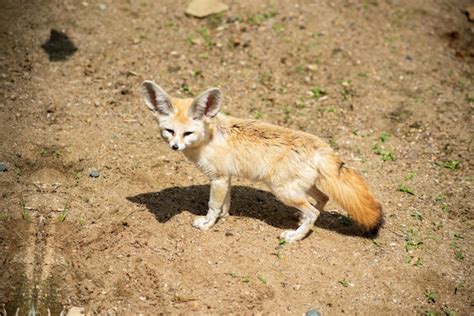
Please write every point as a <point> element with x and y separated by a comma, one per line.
<point>156,99</point>
<point>207,104</point>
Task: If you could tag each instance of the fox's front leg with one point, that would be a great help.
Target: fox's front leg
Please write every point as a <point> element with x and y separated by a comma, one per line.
<point>219,203</point>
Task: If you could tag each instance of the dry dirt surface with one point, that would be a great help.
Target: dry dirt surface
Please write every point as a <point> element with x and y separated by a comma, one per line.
<point>388,83</point>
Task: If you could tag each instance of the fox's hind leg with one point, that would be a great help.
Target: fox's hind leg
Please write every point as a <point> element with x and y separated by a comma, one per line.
<point>220,195</point>
<point>309,213</point>
<point>320,197</point>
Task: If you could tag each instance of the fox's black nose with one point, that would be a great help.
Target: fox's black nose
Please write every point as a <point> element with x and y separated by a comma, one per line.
<point>175,147</point>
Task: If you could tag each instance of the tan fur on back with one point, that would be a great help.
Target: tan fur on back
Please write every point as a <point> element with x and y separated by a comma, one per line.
<point>284,159</point>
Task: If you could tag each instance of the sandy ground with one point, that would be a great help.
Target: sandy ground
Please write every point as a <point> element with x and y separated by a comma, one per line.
<point>389,84</point>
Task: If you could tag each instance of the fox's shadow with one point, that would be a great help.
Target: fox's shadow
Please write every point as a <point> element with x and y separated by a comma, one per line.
<point>245,201</point>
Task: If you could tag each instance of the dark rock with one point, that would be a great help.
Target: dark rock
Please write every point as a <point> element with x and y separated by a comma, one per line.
<point>3,167</point>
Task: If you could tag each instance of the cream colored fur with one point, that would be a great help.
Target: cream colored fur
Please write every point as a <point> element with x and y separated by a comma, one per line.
<point>297,167</point>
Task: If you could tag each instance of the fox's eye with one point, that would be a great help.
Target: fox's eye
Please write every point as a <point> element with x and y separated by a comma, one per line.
<point>187,133</point>
<point>170,131</point>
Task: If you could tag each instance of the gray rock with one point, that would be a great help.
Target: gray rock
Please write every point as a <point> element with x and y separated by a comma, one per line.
<point>94,173</point>
<point>3,167</point>
<point>312,312</point>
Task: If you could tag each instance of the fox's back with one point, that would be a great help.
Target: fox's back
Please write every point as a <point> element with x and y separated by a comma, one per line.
<point>260,151</point>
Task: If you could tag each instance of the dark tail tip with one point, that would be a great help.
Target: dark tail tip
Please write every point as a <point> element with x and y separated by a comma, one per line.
<point>374,231</point>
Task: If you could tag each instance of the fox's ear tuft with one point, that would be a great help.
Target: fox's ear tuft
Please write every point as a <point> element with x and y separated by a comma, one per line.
<point>206,104</point>
<point>156,99</point>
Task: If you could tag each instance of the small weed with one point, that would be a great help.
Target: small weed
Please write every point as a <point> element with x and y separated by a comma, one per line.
<point>415,261</point>
<point>258,115</point>
<point>318,93</point>
<point>246,280</point>
<point>258,19</point>
<point>410,176</point>
<point>411,240</point>
<point>77,176</point>
<point>25,213</point>
<point>233,274</point>
<point>206,36</point>
<point>453,244</point>
<point>362,75</point>
<point>4,216</point>
<point>385,155</point>
<point>344,282</point>
<point>278,28</point>
<point>281,242</point>
<point>300,70</point>
<point>63,214</point>
<point>451,164</point>
<point>459,255</point>
<point>384,137</point>
<point>449,312</point>
<point>459,236</point>
<point>429,313</point>
<point>417,215</point>
<point>82,221</point>
<point>470,99</point>
<point>262,279</point>
<point>403,188</point>
<point>197,72</point>
<point>301,105</point>
<point>333,143</point>
<point>345,92</point>
<point>438,225</point>
<point>277,254</point>
<point>18,173</point>
<point>444,207</point>
<point>377,243</point>
<point>215,20</point>
<point>186,89</point>
<point>265,78</point>
<point>458,287</point>
<point>431,296</point>
<point>287,112</point>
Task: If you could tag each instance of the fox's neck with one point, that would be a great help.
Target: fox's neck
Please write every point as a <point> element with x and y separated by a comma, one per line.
<point>193,153</point>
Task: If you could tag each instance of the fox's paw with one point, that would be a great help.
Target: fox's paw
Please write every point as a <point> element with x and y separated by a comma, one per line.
<point>290,236</point>
<point>203,223</point>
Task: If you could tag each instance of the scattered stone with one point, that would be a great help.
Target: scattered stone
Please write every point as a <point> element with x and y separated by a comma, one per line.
<point>232,19</point>
<point>76,311</point>
<point>102,6</point>
<point>203,8</point>
<point>3,167</point>
<point>312,312</point>
<point>51,109</point>
<point>94,173</point>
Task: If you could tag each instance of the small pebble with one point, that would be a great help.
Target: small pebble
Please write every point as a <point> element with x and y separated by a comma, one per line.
<point>232,19</point>
<point>312,312</point>
<point>94,173</point>
<point>3,167</point>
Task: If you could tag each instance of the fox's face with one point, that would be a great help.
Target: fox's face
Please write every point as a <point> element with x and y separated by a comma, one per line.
<point>183,122</point>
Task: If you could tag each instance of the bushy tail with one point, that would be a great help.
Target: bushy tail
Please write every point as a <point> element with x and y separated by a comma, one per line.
<point>352,193</point>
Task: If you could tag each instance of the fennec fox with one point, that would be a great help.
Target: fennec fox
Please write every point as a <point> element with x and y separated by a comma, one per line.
<point>295,165</point>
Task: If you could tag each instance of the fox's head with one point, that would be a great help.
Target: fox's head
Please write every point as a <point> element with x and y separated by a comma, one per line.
<point>183,122</point>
